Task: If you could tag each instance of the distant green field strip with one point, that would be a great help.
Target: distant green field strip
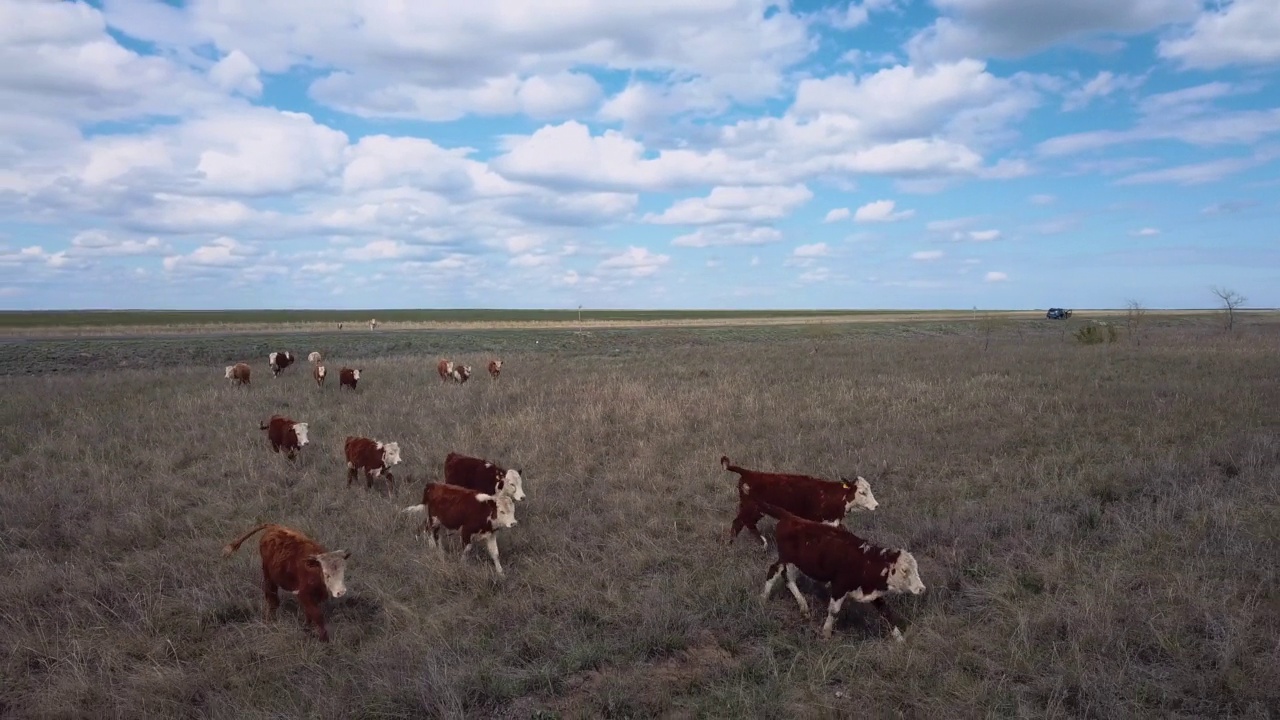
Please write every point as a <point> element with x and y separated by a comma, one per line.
<point>108,318</point>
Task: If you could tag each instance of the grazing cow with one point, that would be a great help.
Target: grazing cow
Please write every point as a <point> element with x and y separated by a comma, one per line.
<point>318,372</point>
<point>238,373</point>
<point>495,368</point>
<point>348,377</point>
<point>474,516</point>
<point>445,369</point>
<point>285,433</point>
<point>279,361</point>
<point>481,475</point>
<point>809,497</point>
<point>373,457</point>
<point>315,357</point>
<point>850,566</point>
<point>297,564</point>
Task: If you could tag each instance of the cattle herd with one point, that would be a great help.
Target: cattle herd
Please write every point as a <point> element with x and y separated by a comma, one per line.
<point>478,497</point>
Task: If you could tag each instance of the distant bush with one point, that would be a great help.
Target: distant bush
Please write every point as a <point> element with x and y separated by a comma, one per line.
<point>1096,333</point>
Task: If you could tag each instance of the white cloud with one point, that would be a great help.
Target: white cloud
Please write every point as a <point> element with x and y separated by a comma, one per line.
<point>881,211</point>
<point>927,255</point>
<point>224,252</point>
<point>1015,28</point>
<point>735,204</point>
<point>321,268</point>
<point>634,262</point>
<point>381,250</point>
<point>97,243</point>
<point>995,276</point>
<point>984,235</point>
<point>1102,85</point>
<point>1145,232</point>
<point>811,251</point>
<point>1239,32</point>
<point>237,73</point>
<point>836,215</point>
<point>540,96</point>
<point>1043,199</point>
<point>727,235</point>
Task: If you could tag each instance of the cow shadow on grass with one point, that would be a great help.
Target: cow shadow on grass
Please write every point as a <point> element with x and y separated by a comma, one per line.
<point>351,609</point>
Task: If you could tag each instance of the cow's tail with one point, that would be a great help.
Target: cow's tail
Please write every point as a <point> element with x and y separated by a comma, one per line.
<point>774,511</point>
<point>263,425</point>
<point>419,509</point>
<point>234,545</point>
<point>724,462</point>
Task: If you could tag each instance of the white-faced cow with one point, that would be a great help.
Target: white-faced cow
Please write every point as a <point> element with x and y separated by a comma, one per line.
<point>850,566</point>
<point>495,368</point>
<point>474,516</point>
<point>279,361</point>
<point>315,357</point>
<point>373,324</point>
<point>482,476</point>
<point>808,497</point>
<point>285,433</point>
<point>238,374</point>
<point>297,564</point>
<point>318,372</point>
<point>373,457</point>
<point>445,369</point>
<point>348,377</point>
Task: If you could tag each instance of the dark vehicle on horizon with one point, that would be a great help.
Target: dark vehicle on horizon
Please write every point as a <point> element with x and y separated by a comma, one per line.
<point>1057,314</point>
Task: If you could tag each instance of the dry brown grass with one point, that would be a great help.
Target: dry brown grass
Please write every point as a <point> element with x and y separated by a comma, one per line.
<point>1097,527</point>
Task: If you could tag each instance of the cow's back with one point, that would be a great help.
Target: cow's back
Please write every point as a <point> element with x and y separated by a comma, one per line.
<point>800,495</point>
<point>284,552</point>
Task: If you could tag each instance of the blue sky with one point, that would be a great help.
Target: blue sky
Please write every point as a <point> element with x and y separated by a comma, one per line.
<point>667,154</point>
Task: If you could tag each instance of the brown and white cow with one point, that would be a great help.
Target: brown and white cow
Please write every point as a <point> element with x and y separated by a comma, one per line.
<point>297,564</point>
<point>239,373</point>
<point>850,567</point>
<point>348,377</point>
<point>315,357</point>
<point>808,497</point>
<point>279,361</point>
<point>474,516</point>
<point>373,457</point>
<point>495,368</point>
<point>482,476</point>
<point>445,369</point>
<point>450,370</point>
<point>373,324</point>
<point>318,372</point>
<point>285,433</point>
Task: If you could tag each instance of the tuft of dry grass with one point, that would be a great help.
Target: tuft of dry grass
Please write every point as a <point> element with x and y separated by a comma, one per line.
<point>1097,527</point>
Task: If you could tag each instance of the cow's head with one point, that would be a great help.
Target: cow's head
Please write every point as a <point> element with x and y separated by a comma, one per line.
<point>857,495</point>
<point>320,370</point>
<point>300,429</point>
<point>390,453</point>
<point>904,574</point>
<point>506,514</point>
<point>497,364</point>
<point>272,358</point>
<point>333,566</point>
<point>513,484</point>
<point>355,374</point>
<point>288,355</point>
<point>230,369</point>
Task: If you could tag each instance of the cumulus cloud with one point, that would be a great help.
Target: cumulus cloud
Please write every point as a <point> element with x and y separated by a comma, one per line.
<point>995,276</point>
<point>223,252</point>
<point>634,262</point>
<point>1239,32</point>
<point>1145,232</point>
<point>927,255</point>
<point>728,235</point>
<point>837,215</point>
<point>881,211</point>
<point>735,204</point>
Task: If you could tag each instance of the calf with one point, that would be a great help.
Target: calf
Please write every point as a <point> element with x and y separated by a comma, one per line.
<point>297,564</point>
<point>238,373</point>
<point>481,475</point>
<point>808,497</point>
<point>850,567</point>
<point>475,516</point>
<point>373,457</point>
<point>315,357</point>
<point>495,368</point>
<point>318,372</point>
<point>348,377</point>
<point>279,361</point>
<point>445,369</point>
<point>285,433</point>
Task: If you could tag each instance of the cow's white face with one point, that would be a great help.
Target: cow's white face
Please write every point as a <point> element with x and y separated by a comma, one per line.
<point>320,370</point>
<point>391,453</point>
<point>506,516</point>
<point>333,565</point>
<point>272,358</point>
<point>230,369</point>
<point>300,429</point>
<point>497,365</point>
<point>862,499</point>
<point>355,374</point>
<point>904,575</point>
<point>511,483</point>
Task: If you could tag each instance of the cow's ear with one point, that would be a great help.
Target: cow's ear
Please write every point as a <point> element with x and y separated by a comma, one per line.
<point>845,482</point>
<point>346,554</point>
<point>313,561</point>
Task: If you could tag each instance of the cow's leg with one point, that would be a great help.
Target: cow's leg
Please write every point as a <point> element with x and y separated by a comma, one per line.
<point>792,573</point>
<point>368,479</point>
<point>315,616</point>
<point>751,515</point>
<point>466,534</point>
<point>890,617</point>
<point>391,482</point>
<point>770,579</point>
<point>269,592</point>
<point>833,609</point>
<point>351,474</point>
<point>435,537</point>
<point>491,544</point>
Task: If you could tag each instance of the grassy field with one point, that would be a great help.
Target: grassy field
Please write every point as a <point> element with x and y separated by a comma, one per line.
<point>1098,527</point>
